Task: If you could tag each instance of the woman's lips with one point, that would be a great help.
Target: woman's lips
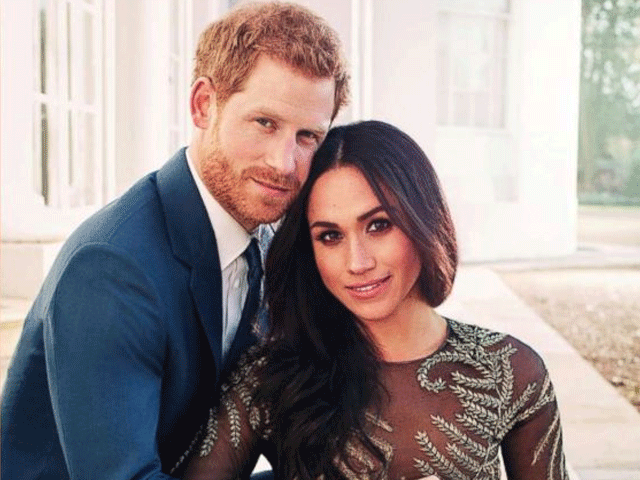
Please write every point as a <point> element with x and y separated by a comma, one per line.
<point>368,290</point>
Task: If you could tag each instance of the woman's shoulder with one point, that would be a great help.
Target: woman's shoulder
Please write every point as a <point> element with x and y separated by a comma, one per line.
<point>487,358</point>
<point>486,343</point>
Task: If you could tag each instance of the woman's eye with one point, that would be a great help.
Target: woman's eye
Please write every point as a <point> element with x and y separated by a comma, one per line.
<point>379,225</point>
<point>329,237</point>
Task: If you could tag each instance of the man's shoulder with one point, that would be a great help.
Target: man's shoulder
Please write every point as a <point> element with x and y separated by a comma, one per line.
<point>138,216</point>
<point>136,212</point>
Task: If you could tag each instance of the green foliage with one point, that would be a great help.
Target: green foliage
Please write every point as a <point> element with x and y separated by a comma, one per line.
<point>632,187</point>
<point>610,42</point>
<point>610,78</point>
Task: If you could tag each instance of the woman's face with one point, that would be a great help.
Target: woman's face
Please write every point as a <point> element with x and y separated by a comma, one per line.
<point>364,260</point>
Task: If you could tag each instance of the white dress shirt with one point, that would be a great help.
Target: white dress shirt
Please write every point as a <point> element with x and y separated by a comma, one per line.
<point>232,240</point>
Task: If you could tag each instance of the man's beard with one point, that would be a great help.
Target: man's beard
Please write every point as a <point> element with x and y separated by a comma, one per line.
<point>226,186</point>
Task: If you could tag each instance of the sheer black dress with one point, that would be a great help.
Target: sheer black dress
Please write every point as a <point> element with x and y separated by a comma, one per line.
<point>451,414</point>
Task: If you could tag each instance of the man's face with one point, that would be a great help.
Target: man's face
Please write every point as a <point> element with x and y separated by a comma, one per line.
<point>257,153</point>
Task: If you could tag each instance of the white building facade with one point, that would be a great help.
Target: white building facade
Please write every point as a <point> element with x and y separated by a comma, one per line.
<point>94,94</point>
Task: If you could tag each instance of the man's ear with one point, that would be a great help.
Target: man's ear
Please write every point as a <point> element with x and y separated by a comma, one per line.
<point>203,97</point>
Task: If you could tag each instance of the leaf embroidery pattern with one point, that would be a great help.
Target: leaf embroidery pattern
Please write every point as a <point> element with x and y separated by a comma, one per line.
<point>443,466</point>
<point>211,433</point>
<point>489,405</point>
<point>234,421</point>
<point>361,465</point>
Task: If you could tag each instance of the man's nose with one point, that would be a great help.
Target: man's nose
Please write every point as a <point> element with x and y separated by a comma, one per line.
<point>282,156</point>
<point>360,259</point>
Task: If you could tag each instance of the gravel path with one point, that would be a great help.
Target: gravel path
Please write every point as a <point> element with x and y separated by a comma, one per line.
<point>597,311</point>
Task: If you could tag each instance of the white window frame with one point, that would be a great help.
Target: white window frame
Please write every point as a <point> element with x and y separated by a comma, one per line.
<point>498,121</point>
<point>70,148</point>
<point>180,52</point>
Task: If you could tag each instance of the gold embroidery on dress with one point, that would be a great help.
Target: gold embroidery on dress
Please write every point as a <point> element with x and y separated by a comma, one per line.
<point>211,433</point>
<point>489,409</point>
<point>367,466</point>
<point>378,422</point>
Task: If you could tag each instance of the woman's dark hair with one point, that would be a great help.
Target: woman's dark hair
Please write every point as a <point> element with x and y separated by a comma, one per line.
<point>322,373</point>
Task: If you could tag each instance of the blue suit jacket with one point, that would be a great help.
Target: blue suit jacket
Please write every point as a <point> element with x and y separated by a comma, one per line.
<point>120,354</point>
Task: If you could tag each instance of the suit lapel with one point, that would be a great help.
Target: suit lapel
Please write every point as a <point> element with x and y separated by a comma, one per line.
<point>193,242</point>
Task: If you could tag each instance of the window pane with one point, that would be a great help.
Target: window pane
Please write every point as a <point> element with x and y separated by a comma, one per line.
<point>175,27</point>
<point>88,67</point>
<point>70,148</point>
<point>505,188</point>
<point>442,107</point>
<point>69,52</point>
<point>499,114</point>
<point>500,39</point>
<point>87,154</point>
<point>41,79</point>
<point>461,109</point>
<point>499,75</point>
<point>442,87</point>
<point>481,115</point>
<point>67,150</point>
<point>471,60</point>
<point>41,152</point>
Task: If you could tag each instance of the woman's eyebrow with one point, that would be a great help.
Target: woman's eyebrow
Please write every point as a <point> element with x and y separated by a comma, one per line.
<point>323,224</point>
<point>370,213</point>
<point>360,218</point>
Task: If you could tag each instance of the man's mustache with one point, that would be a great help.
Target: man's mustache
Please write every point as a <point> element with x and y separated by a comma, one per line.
<point>272,177</point>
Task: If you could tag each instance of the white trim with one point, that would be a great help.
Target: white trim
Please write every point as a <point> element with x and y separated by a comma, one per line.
<point>362,55</point>
<point>356,73</point>
<point>475,13</point>
<point>179,63</point>
<point>367,58</point>
<point>109,100</point>
<point>73,181</point>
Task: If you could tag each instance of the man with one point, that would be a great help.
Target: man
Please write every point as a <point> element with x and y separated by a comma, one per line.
<point>140,315</point>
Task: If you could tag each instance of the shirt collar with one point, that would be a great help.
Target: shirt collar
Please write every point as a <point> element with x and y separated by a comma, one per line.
<point>232,238</point>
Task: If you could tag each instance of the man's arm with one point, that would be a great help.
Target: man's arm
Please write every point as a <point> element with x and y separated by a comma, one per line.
<point>104,348</point>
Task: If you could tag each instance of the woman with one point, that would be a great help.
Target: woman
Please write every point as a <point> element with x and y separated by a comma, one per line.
<point>360,377</point>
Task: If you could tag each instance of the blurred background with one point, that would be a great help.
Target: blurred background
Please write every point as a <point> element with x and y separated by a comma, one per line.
<point>528,109</point>
<point>609,148</point>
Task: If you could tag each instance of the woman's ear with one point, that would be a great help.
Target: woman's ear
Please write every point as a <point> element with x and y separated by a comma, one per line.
<point>203,98</point>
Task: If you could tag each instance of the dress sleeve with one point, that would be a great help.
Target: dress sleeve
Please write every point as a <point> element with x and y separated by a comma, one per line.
<point>532,449</point>
<point>229,444</point>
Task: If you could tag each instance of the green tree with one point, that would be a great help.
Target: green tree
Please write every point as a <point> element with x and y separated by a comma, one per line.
<point>610,78</point>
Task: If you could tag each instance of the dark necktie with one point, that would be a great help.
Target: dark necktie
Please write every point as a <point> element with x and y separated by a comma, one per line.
<point>254,276</point>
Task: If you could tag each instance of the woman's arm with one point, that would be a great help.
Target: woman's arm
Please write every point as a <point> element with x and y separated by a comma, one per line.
<point>229,444</point>
<point>532,449</point>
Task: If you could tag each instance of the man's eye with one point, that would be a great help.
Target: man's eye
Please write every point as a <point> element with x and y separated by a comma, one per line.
<point>265,122</point>
<point>379,225</point>
<point>309,138</point>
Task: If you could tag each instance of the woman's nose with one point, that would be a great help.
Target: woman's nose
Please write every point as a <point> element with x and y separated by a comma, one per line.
<point>360,259</point>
